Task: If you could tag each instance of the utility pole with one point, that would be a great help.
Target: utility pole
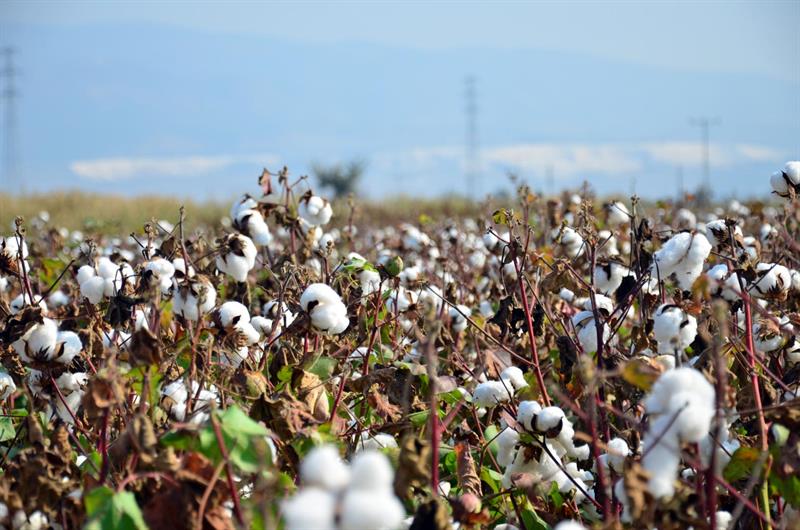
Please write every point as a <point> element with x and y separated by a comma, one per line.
<point>471,111</point>
<point>705,124</point>
<point>9,95</point>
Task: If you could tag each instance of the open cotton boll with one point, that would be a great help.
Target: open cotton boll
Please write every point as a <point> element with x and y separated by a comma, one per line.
<point>526,414</point>
<point>718,235</point>
<point>93,289</point>
<point>38,343</point>
<point>370,510</point>
<point>661,458</point>
<point>322,467</point>
<point>233,313</point>
<point>617,451</point>
<point>587,331</point>
<point>315,210</point>
<point>7,386</point>
<point>318,294</point>
<point>549,418</point>
<point>608,276</point>
<point>616,213</point>
<point>369,281</point>
<point>10,247</point>
<point>507,440</point>
<point>673,329</point>
<point>786,181</point>
<point>331,319</point>
<point>22,300</point>
<point>68,346</point>
<point>572,242</point>
<point>370,470</point>
<point>375,442</point>
<point>458,316</point>
<point>569,525</point>
<point>683,254</point>
<point>491,393</point>
<point>195,299</point>
<point>309,509</point>
<point>774,281</point>
<point>252,224</point>
<point>237,256</point>
<point>605,305</point>
<point>724,283</point>
<point>515,376</point>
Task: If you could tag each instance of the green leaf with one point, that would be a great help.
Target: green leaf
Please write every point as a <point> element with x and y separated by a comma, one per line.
<point>323,367</point>
<point>7,430</point>
<point>787,487</point>
<point>454,396</point>
<point>244,438</point>
<point>556,496</point>
<point>532,521</point>
<point>113,510</point>
<point>742,463</point>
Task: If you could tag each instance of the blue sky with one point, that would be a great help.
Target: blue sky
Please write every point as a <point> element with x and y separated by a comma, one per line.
<point>194,98</point>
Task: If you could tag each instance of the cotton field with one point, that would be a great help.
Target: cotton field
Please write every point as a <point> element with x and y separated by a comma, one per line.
<point>556,363</point>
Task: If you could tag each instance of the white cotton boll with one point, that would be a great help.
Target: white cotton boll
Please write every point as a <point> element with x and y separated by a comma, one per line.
<point>683,253</point>
<point>526,413</point>
<point>490,393</point>
<point>376,442</point>
<point>252,223</point>
<point>507,441</point>
<point>505,526</point>
<point>477,260</point>
<point>549,418</point>
<point>234,266</point>
<point>11,248</point>
<point>572,242</point>
<point>587,331</point>
<point>245,203</point>
<point>323,467</point>
<point>93,289</point>
<point>685,219</point>
<point>39,342</point>
<point>723,519</point>
<point>320,293</point>
<point>262,325</point>
<point>608,277</point>
<point>316,210</point>
<point>190,302</point>
<point>773,280</point>
<point>71,403</point>
<point>515,376</point>
<point>72,381</point>
<point>22,300</point>
<point>789,177</point>
<point>369,281</point>
<point>330,318</point>
<point>84,273</point>
<point>69,345</point>
<point>309,509</point>
<point>458,316</point>
<point>661,460</point>
<point>370,470</point>
<point>233,313</point>
<point>717,232</point>
<point>370,510</point>
<point>250,333</point>
<point>410,274</point>
<point>723,283</point>
<point>7,386</point>
<point>57,298</point>
<point>673,329</point>
<point>569,525</point>
<point>617,213</point>
<point>106,268</point>
<point>617,452</point>
<point>605,305</point>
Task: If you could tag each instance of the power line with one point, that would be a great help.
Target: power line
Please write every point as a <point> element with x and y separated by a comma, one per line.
<point>471,111</point>
<point>9,96</point>
<point>705,124</point>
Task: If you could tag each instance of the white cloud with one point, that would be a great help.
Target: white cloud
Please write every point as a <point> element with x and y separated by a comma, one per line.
<point>760,153</point>
<point>125,168</point>
<point>569,159</point>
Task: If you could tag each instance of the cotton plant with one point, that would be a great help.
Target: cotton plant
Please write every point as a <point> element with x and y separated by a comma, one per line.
<point>193,299</point>
<point>247,219</point>
<point>786,182</point>
<point>174,397</point>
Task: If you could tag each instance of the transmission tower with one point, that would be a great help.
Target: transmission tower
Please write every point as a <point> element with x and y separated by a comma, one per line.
<point>9,95</point>
<point>471,111</point>
<point>705,124</point>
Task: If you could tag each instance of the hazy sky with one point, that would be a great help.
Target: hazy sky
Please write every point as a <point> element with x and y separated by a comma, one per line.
<point>148,96</point>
